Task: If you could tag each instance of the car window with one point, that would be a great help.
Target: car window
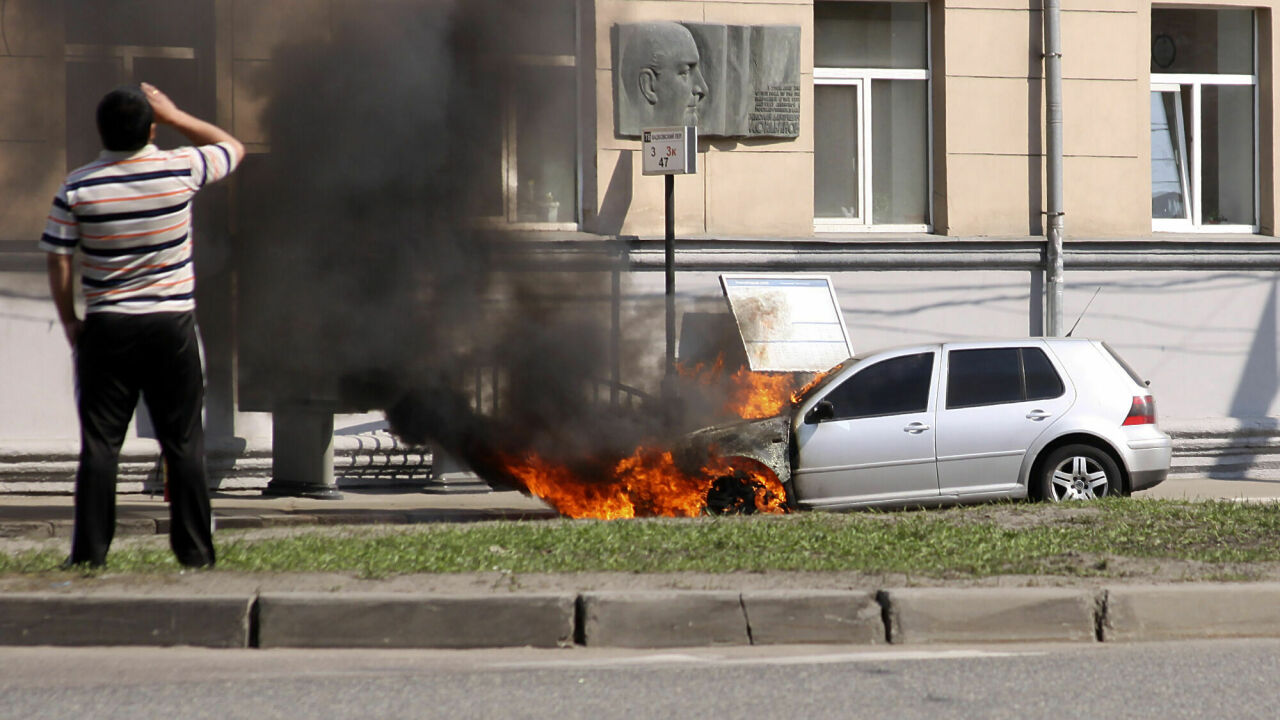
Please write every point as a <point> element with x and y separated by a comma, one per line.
<point>1043,382</point>
<point>827,377</point>
<point>991,376</point>
<point>889,387</point>
<point>985,376</point>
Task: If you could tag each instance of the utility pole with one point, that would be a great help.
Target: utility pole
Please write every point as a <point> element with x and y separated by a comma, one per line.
<point>1053,167</point>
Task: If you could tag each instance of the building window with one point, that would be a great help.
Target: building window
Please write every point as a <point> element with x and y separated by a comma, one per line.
<point>532,148</point>
<point>114,42</point>
<point>1204,165</point>
<point>871,116</point>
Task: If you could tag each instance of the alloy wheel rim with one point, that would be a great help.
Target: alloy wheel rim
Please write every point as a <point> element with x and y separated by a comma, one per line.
<point>1079,478</point>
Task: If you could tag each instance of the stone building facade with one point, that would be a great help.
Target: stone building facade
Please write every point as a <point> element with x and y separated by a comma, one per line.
<point>915,180</point>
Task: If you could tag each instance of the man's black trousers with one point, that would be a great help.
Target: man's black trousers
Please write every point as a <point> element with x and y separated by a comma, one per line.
<point>119,356</point>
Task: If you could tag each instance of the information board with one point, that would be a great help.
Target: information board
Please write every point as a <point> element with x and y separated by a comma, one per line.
<point>788,323</point>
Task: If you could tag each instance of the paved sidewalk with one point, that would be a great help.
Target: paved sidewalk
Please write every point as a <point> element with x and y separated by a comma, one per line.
<point>1206,488</point>
<point>51,515</point>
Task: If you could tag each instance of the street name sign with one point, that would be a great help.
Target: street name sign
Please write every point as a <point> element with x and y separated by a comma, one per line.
<point>670,150</point>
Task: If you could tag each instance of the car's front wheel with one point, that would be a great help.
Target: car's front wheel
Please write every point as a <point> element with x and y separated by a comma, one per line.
<point>1078,472</point>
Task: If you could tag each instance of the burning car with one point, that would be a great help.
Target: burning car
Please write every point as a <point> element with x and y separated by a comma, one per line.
<point>1044,418</point>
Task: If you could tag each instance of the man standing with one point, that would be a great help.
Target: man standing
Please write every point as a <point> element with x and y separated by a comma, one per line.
<point>129,213</point>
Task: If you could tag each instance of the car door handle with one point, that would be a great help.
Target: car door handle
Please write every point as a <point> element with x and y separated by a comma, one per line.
<point>915,428</point>
<point>1038,415</point>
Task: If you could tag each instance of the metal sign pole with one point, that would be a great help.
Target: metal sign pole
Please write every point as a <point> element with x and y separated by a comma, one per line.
<point>669,379</point>
<point>669,152</point>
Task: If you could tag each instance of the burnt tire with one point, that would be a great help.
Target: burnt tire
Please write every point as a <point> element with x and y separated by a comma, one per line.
<point>1078,472</point>
<point>745,486</point>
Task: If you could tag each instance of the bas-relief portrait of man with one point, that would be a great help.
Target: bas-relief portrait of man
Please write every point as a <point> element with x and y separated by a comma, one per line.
<point>662,74</point>
<point>728,80</point>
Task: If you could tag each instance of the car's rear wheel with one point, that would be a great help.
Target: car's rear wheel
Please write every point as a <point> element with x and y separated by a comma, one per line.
<point>1079,472</point>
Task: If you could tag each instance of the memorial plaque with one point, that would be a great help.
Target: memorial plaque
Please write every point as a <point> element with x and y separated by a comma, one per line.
<point>737,80</point>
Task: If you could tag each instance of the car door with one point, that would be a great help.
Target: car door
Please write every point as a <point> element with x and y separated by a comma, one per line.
<point>995,402</point>
<point>875,442</point>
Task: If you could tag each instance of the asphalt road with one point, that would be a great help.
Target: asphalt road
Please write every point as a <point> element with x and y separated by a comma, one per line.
<point>1235,679</point>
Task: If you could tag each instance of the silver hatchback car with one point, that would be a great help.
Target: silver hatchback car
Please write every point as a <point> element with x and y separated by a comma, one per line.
<point>1046,418</point>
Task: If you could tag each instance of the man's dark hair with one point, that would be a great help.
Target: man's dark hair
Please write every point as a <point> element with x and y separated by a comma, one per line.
<point>124,119</point>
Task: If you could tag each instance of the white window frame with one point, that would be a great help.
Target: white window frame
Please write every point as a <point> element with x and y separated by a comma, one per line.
<point>850,79</point>
<point>1178,122</point>
<point>1174,82</point>
<point>862,78</point>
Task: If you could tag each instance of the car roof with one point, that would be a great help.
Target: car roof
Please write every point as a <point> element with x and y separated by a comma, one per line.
<point>969,344</point>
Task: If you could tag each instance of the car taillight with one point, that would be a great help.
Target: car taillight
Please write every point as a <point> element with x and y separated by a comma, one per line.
<point>1142,411</point>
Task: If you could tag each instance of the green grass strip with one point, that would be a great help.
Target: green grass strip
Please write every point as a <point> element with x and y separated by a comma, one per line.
<point>981,541</point>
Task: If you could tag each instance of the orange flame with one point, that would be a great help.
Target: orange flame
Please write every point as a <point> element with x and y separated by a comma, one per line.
<point>798,395</point>
<point>648,483</point>
<point>751,395</point>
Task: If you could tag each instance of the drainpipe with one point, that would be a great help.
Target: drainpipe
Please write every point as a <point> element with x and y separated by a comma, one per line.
<point>1053,167</point>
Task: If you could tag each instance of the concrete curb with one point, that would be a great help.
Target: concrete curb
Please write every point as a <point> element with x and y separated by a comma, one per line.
<point>407,621</point>
<point>814,616</point>
<point>1175,612</point>
<point>935,615</point>
<point>646,619</point>
<point>48,619</point>
<point>663,619</point>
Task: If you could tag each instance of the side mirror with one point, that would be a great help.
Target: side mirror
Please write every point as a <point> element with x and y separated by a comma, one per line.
<point>824,410</point>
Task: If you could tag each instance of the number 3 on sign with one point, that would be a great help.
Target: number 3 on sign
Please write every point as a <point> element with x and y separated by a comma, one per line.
<point>668,153</point>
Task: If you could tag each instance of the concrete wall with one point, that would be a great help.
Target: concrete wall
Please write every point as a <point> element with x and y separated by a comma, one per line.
<point>36,395</point>
<point>32,118</point>
<point>1206,338</point>
<point>988,106</point>
<point>994,95</point>
<point>988,111</point>
<point>36,400</point>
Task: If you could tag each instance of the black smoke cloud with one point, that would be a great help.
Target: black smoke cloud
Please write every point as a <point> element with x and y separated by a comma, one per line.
<point>366,283</point>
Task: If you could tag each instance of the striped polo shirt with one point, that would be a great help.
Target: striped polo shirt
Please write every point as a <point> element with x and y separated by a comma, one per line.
<point>130,215</point>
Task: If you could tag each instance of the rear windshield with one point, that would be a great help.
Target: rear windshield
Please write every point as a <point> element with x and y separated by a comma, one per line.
<point>1127,368</point>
